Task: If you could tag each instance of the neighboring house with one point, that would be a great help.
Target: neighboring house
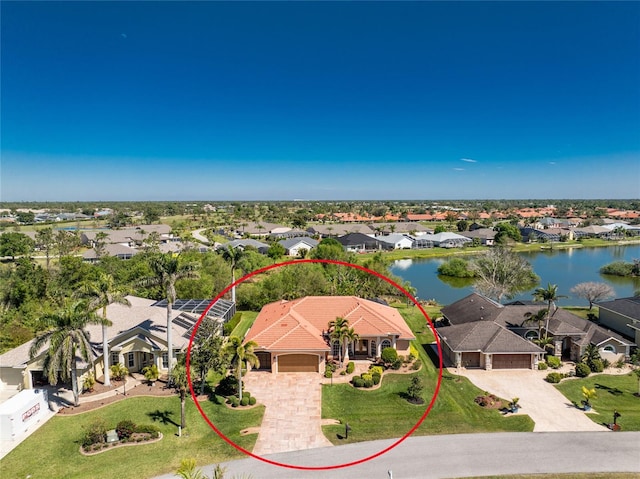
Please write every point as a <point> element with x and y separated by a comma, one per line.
<point>117,250</point>
<point>333,230</point>
<point>447,240</point>
<point>293,336</point>
<point>415,229</point>
<point>261,229</point>
<point>292,233</point>
<point>247,243</point>
<point>622,315</point>
<point>129,236</point>
<point>360,243</point>
<point>487,236</point>
<point>533,234</point>
<point>479,316</point>
<point>293,246</point>
<point>397,241</point>
<point>137,338</point>
<point>591,231</point>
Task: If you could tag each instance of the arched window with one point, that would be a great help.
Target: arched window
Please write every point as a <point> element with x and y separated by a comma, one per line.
<point>531,335</point>
<point>385,344</point>
<point>609,349</point>
<point>335,349</point>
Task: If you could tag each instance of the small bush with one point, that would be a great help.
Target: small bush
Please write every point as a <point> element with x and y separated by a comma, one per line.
<point>368,383</point>
<point>397,364</point>
<point>358,382</point>
<point>413,352</point>
<point>553,361</point>
<point>620,363</point>
<point>376,369</point>
<point>367,377</point>
<point>417,364</point>
<point>246,394</point>
<point>606,363</point>
<point>95,433</point>
<point>554,377</point>
<point>582,370</point>
<point>351,367</point>
<point>245,401</point>
<point>252,401</point>
<point>233,401</point>
<point>389,355</point>
<point>343,373</point>
<point>328,373</point>
<point>376,378</point>
<point>125,428</point>
<point>596,366</point>
<point>542,366</point>
<point>228,386</point>
<point>89,382</point>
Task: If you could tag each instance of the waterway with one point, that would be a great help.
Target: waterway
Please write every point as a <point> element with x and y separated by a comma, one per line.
<point>564,267</point>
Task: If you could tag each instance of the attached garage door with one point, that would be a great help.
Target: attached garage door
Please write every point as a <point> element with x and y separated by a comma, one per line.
<point>511,361</point>
<point>298,363</point>
<point>265,360</point>
<point>471,360</point>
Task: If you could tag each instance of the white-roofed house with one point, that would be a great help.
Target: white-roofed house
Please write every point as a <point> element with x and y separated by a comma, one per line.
<point>293,246</point>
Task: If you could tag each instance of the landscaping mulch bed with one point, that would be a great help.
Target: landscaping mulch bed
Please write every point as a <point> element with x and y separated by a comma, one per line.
<point>158,389</point>
<point>109,447</point>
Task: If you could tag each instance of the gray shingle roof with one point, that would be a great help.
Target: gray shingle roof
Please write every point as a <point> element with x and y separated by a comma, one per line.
<point>485,336</point>
<point>291,242</point>
<point>629,307</point>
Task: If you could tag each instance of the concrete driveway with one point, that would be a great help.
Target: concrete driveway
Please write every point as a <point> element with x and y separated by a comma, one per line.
<point>292,418</point>
<point>539,399</point>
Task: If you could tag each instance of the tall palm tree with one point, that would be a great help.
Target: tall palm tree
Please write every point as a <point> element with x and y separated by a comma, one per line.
<point>101,293</point>
<point>550,295</point>
<point>241,355</point>
<point>337,330</point>
<point>350,336</point>
<point>67,339</point>
<point>233,256</point>
<point>167,270</point>
<point>538,318</point>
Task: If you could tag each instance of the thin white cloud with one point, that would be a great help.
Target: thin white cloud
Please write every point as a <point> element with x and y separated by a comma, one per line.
<point>552,162</point>
<point>468,160</point>
<point>459,169</point>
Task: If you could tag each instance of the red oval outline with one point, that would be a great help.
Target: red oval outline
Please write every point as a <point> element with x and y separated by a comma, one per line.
<point>334,466</point>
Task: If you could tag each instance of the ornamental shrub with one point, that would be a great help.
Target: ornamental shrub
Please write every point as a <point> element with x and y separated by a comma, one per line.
<point>413,352</point>
<point>252,401</point>
<point>358,382</point>
<point>95,433</point>
<point>246,394</point>
<point>228,386</point>
<point>245,401</point>
<point>350,367</point>
<point>328,373</point>
<point>233,401</point>
<point>582,370</point>
<point>542,366</point>
<point>376,378</point>
<point>417,364</point>
<point>125,428</point>
<point>606,364</point>
<point>554,377</point>
<point>368,383</point>
<point>367,377</point>
<point>397,364</point>
<point>376,369</point>
<point>389,355</point>
<point>596,365</point>
<point>553,361</point>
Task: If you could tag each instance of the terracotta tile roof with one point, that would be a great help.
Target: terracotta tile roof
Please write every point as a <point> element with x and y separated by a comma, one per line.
<point>299,324</point>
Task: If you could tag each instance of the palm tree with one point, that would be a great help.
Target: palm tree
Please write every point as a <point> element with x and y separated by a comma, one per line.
<point>350,336</point>
<point>538,317</point>
<point>67,338</point>
<point>590,354</point>
<point>241,355</point>
<point>181,382</point>
<point>233,256</point>
<point>550,295</point>
<point>167,270</point>
<point>337,330</point>
<point>101,293</point>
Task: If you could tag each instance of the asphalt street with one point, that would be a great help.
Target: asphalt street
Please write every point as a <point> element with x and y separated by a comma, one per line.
<point>454,456</point>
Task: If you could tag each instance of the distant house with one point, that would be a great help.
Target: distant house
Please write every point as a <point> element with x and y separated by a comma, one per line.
<point>475,318</point>
<point>487,236</point>
<point>532,234</point>
<point>292,336</point>
<point>414,229</point>
<point>116,250</point>
<point>293,246</point>
<point>261,229</point>
<point>447,240</point>
<point>137,338</point>
<point>397,241</point>
<point>360,243</point>
<point>622,315</point>
<point>591,231</point>
<point>247,243</point>
<point>338,229</point>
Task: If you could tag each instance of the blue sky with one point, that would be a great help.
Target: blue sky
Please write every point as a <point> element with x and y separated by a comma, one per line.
<point>319,100</point>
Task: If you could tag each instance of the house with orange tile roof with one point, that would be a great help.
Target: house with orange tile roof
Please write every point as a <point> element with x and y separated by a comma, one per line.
<point>293,336</point>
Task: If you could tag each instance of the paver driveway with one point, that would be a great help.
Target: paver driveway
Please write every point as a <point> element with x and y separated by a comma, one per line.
<point>547,406</point>
<point>292,418</point>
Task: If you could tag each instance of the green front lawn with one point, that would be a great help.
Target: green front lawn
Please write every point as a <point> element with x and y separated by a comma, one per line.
<point>53,450</point>
<point>383,413</point>
<point>248,317</point>
<point>615,392</point>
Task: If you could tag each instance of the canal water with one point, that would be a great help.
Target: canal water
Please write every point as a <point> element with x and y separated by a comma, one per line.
<point>564,267</point>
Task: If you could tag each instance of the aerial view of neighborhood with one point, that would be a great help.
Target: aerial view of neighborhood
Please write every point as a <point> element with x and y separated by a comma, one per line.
<point>320,240</point>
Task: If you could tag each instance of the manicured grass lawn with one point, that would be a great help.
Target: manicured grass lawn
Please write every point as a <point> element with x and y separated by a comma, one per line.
<point>614,393</point>
<point>53,450</point>
<point>581,311</point>
<point>248,317</point>
<point>383,413</point>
